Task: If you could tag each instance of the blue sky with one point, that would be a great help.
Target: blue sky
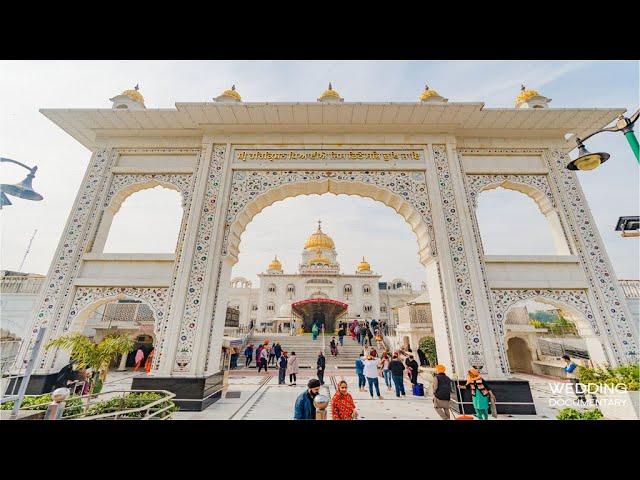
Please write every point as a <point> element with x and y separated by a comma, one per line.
<point>359,226</point>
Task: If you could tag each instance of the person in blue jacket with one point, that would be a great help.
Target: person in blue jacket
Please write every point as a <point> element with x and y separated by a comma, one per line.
<point>248,353</point>
<point>304,408</point>
<point>360,372</point>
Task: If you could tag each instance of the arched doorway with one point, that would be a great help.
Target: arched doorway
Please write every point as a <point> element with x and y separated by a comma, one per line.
<point>254,191</point>
<point>520,359</point>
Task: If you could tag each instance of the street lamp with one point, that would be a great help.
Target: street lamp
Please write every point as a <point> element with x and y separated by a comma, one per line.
<point>20,190</point>
<point>589,161</point>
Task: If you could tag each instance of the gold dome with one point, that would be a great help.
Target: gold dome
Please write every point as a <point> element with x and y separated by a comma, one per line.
<point>319,240</point>
<point>363,265</point>
<point>330,92</point>
<point>319,259</point>
<point>134,95</point>
<point>275,264</point>
<point>428,94</point>
<point>525,95</point>
<point>232,93</point>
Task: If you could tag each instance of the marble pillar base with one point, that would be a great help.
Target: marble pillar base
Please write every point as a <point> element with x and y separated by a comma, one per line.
<point>192,393</point>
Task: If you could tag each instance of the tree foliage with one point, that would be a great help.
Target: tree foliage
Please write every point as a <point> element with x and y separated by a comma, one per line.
<point>428,346</point>
<point>88,354</point>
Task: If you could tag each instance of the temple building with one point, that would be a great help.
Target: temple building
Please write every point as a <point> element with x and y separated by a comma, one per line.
<point>317,293</point>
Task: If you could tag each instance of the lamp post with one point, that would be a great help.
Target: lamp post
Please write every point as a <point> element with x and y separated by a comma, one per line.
<point>20,190</point>
<point>589,161</point>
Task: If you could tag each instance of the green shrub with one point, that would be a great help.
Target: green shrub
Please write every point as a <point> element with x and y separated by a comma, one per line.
<point>133,400</point>
<point>573,414</point>
<point>428,346</point>
<point>628,375</point>
<point>72,407</point>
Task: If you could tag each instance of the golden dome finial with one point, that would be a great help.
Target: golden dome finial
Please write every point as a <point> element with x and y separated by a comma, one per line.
<point>134,94</point>
<point>275,264</point>
<point>430,95</point>
<point>364,266</point>
<point>330,94</point>
<point>525,94</point>
<point>230,94</point>
<point>319,240</point>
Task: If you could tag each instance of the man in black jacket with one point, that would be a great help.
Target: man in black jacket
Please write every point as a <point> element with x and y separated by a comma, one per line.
<point>397,368</point>
<point>321,366</point>
<point>413,365</point>
<point>442,393</point>
<point>282,368</point>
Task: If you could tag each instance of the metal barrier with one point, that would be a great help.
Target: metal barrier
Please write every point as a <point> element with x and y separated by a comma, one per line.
<point>158,409</point>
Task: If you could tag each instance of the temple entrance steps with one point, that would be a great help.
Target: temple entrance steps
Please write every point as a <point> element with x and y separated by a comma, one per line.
<point>307,350</point>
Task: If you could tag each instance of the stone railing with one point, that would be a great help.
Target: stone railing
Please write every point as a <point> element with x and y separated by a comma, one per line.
<point>21,284</point>
<point>631,288</point>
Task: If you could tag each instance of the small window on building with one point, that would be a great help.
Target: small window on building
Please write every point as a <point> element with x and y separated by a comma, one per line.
<point>383,308</point>
<point>366,289</point>
<point>271,307</point>
<point>367,308</point>
<point>347,289</point>
<point>291,288</point>
<point>254,307</point>
<point>272,288</point>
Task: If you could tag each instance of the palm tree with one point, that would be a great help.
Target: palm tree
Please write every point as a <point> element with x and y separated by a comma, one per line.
<point>96,356</point>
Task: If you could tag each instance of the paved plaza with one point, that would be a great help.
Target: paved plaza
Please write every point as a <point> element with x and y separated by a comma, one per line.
<point>257,396</point>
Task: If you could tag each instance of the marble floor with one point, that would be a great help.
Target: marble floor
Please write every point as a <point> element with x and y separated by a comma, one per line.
<point>257,396</point>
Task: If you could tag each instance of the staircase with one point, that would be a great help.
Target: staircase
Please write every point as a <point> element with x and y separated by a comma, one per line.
<point>307,350</point>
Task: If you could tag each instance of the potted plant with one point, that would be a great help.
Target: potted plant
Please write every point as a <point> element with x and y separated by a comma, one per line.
<point>95,356</point>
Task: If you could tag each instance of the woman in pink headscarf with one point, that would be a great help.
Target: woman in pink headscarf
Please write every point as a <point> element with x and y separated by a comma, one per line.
<point>139,358</point>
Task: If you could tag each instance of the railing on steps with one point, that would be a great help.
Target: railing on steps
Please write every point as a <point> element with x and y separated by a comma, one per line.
<point>116,405</point>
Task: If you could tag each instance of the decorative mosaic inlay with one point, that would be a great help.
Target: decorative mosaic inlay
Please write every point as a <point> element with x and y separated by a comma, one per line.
<point>66,262</point>
<point>182,182</point>
<point>247,185</point>
<point>592,253</point>
<point>503,300</point>
<point>477,183</point>
<point>213,317</point>
<point>446,320</point>
<point>161,325</point>
<point>198,270</point>
<point>461,272</point>
<point>85,296</point>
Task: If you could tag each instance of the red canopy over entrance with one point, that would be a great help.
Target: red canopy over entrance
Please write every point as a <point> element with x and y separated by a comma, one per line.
<point>319,310</point>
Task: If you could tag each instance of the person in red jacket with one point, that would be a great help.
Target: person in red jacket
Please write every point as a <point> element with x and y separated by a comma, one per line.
<point>342,405</point>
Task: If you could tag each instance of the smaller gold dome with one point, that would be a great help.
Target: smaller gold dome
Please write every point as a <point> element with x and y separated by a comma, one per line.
<point>134,95</point>
<point>525,95</point>
<point>319,259</point>
<point>330,92</point>
<point>428,93</point>
<point>275,264</point>
<point>364,266</point>
<point>232,93</point>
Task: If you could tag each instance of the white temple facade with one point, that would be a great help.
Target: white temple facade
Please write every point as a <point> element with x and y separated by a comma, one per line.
<point>318,275</point>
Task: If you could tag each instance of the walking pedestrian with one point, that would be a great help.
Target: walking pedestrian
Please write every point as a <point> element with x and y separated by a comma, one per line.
<point>321,364</point>
<point>292,368</point>
<point>333,346</point>
<point>341,334</point>
<point>371,372</point>
<point>314,332</point>
<point>342,405</point>
<point>149,361</point>
<point>264,357</point>
<point>360,372</point>
<point>138,359</point>
<point>386,373</point>
<point>397,368</point>
<point>248,353</point>
<point>442,393</point>
<point>413,365</point>
<point>304,408</point>
<point>272,355</point>
<point>277,348</point>
<point>282,368</point>
<point>480,393</point>
<point>258,353</point>
<point>571,369</point>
